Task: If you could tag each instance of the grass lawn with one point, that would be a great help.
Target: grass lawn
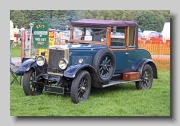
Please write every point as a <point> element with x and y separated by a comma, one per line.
<point>16,51</point>
<point>119,100</point>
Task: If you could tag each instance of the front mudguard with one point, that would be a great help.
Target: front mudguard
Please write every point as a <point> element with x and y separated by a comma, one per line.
<point>31,63</point>
<point>72,71</point>
<point>26,65</point>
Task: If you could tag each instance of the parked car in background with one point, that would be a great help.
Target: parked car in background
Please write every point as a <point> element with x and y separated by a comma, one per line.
<point>96,60</point>
<point>117,35</point>
<point>141,36</point>
<point>147,33</point>
<point>155,36</point>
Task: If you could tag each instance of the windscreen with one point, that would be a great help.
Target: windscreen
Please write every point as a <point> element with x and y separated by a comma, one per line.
<point>89,34</point>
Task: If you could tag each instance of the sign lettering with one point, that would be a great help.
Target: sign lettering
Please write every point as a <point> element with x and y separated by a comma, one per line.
<point>40,32</point>
<point>40,26</point>
<point>41,35</point>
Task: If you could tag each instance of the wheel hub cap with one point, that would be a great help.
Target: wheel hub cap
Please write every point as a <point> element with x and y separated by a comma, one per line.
<point>83,88</point>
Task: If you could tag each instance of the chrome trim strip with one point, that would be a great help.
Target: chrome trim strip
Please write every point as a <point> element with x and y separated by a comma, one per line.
<point>55,73</point>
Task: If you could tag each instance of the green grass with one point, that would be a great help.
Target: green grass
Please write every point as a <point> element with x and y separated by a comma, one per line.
<point>16,51</point>
<point>119,100</point>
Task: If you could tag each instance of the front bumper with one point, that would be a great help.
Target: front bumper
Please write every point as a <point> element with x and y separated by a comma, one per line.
<point>51,77</point>
<point>53,88</point>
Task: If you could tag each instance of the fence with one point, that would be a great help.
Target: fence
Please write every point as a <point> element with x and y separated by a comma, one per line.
<point>160,53</point>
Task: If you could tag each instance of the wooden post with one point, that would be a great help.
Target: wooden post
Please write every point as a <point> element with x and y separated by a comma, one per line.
<point>22,44</point>
<point>108,40</point>
<point>127,36</point>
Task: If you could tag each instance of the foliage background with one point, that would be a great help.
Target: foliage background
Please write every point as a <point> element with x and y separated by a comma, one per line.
<point>58,19</point>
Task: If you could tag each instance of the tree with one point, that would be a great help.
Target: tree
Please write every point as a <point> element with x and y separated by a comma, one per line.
<point>146,19</point>
<point>150,20</point>
<point>17,18</point>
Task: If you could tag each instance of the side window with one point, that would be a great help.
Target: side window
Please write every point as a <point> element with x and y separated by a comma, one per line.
<point>118,38</point>
<point>131,36</point>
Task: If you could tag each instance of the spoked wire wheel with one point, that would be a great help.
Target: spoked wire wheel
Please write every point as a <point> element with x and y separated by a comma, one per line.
<point>105,66</point>
<point>30,87</point>
<point>104,63</point>
<point>81,86</point>
<point>147,78</point>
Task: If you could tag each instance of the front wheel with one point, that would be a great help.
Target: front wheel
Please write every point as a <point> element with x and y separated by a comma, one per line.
<point>81,86</point>
<point>29,87</point>
<point>147,78</point>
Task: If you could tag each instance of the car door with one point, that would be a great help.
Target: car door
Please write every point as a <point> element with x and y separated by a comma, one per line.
<point>131,53</point>
<point>120,51</point>
<point>121,59</point>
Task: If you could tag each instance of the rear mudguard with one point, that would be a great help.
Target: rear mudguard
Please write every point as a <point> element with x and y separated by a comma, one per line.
<point>143,62</point>
<point>72,71</point>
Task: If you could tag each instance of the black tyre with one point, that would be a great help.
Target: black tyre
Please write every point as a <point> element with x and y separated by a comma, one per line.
<point>147,78</point>
<point>81,87</point>
<point>104,63</point>
<point>29,87</point>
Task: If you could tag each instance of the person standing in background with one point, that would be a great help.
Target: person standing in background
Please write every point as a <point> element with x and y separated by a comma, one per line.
<point>23,27</point>
<point>16,33</point>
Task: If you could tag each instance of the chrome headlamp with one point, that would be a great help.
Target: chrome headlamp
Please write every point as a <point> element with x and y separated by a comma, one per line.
<point>63,63</point>
<point>41,60</point>
<point>81,60</point>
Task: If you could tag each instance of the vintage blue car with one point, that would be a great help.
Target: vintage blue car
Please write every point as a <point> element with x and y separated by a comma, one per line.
<point>94,59</point>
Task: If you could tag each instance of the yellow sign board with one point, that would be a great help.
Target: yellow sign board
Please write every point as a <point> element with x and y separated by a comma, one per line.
<point>51,41</point>
<point>46,52</point>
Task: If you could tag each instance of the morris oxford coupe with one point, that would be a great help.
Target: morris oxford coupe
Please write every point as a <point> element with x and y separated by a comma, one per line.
<point>92,59</point>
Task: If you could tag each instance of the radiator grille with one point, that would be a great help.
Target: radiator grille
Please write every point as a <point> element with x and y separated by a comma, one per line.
<point>54,58</point>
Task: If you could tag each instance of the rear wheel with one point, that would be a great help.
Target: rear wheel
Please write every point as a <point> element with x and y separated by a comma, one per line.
<point>147,78</point>
<point>29,87</point>
<point>81,86</point>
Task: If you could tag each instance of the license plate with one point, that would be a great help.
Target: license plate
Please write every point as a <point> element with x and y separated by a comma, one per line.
<point>56,90</point>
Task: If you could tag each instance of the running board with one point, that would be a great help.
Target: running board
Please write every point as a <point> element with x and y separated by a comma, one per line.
<point>118,82</point>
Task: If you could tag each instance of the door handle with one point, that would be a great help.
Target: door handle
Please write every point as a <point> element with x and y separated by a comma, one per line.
<point>126,53</point>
